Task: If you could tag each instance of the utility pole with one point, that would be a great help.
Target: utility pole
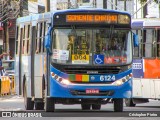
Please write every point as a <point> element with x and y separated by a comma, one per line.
<point>47,6</point>
<point>116,5</point>
<point>5,25</point>
<point>69,4</point>
<point>104,4</point>
<point>112,4</point>
<point>125,5</point>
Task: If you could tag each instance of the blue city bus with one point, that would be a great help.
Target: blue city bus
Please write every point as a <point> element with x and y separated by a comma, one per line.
<point>77,56</point>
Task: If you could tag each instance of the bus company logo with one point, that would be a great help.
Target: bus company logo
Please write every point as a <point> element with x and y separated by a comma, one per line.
<point>92,78</point>
<point>137,66</point>
<point>92,72</point>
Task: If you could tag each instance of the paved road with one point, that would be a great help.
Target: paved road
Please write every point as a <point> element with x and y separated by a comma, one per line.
<point>15,103</point>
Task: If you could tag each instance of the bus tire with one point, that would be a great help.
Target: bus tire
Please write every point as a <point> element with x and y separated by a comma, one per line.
<point>39,105</point>
<point>96,106</point>
<point>49,104</point>
<point>129,102</point>
<point>29,104</point>
<point>118,105</point>
<point>85,106</point>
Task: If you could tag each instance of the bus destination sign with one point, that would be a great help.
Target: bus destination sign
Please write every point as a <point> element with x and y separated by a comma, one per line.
<point>103,18</point>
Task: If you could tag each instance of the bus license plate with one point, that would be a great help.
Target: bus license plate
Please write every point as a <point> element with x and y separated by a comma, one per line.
<point>92,91</point>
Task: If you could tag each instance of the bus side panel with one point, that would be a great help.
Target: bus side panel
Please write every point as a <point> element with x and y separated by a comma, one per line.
<point>137,87</point>
<point>26,66</point>
<point>138,73</point>
<point>143,88</point>
<point>146,80</point>
<point>152,88</point>
<point>152,69</point>
<point>146,91</point>
<point>17,74</point>
<point>157,88</point>
<point>38,70</point>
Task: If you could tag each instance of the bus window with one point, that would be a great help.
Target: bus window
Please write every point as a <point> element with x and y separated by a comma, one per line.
<point>37,39</point>
<point>140,33</point>
<point>138,50</point>
<point>28,38</point>
<point>23,41</point>
<point>24,32</point>
<point>98,44</point>
<point>143,43</point>
<point>43,38</point>
<point>158,42</point>
<point>45,32</point>
<point>149,42</point>
<point>20,49</point>
<point>74,42</point>
<point>40,36</point>
<point>110,45</point>
<point>17,39</point>
<point>75,46</point>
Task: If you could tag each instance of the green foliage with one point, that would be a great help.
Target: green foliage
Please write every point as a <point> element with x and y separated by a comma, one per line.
<point>143,1</point>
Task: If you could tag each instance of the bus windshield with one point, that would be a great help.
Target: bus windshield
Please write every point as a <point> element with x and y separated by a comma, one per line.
<point>92,46</point>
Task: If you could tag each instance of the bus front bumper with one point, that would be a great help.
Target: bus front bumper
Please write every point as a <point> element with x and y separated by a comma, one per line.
<point>90,90</point>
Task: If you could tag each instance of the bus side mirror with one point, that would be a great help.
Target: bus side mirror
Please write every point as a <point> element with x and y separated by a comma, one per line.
<point>135,40</point>
<point>48,41</point>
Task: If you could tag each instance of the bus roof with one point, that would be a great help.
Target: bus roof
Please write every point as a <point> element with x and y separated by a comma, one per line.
<point>91,10</point>
<point>36,17</point>
<point>145,23</point>
<point>137,24</point>
<point>152,23</point>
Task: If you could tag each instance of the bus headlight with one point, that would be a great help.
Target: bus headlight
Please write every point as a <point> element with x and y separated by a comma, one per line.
<point>65,82</point>
<point>118,82</point>
<point>59,79</point>
<point>123,80</point>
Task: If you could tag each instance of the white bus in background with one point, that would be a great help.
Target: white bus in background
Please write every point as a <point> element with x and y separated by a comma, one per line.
<point>146,62</point>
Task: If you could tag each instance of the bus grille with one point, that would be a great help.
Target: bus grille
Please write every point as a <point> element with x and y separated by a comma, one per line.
<point>87,69</point>
<point>101,93</point>
<point>92,70</point>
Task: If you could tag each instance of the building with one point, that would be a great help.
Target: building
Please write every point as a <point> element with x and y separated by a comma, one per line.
<point>10,14</point>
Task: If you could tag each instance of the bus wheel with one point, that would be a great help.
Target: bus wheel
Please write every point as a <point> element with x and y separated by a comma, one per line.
<point>86,106</point>
<point>118,105</point>
<point>96,106</point>
<point>49,104</point>
<point>29,104</point>
<point>39,105</point>
<point>129,102</point>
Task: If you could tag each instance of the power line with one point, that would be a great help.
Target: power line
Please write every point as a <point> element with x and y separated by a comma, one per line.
<point>142,6</point>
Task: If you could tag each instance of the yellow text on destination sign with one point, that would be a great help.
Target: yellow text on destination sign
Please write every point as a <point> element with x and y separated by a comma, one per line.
<point>91,18</point>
